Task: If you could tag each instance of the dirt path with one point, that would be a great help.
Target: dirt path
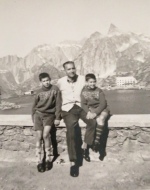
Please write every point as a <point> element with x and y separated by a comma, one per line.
<point>112,174</point>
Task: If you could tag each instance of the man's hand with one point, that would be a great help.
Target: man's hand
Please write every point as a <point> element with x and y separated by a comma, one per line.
<point>88,115</point>
<point>57,122</point>
<point>91,115</point>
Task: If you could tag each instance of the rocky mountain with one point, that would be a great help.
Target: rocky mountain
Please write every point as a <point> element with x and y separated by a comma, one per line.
<point>97,55</point>
<point>115,53</point>
<point>23,68</point>
<point>7,83</point>
<point>44,58</point>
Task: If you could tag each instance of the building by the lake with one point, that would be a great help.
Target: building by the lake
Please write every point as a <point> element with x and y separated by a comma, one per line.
<point>127,81</point>
<point>31,92</point>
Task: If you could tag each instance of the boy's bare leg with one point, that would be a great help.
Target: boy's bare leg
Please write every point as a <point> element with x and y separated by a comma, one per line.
<point>39,146</point>
<point>47,142</point>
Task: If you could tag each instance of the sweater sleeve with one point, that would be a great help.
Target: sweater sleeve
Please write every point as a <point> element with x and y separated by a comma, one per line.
<point>103,103</point>
<point>36,99</point>
<point>84,104</point>
<point>58,105</point>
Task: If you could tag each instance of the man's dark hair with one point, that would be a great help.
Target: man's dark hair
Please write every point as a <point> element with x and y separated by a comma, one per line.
<point>44,75</point>
<point>67,63</point>
<point>90,76</point>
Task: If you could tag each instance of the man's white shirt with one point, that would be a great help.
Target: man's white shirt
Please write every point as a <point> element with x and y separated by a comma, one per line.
<point>71,91</point>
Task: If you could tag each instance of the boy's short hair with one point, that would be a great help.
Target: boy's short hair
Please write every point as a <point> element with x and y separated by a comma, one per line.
<point>90,76</point>
<point>44,75</point>
<point>68,62</point>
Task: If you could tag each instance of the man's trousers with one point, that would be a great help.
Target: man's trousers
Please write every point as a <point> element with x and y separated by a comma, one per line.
<point>71,119</point>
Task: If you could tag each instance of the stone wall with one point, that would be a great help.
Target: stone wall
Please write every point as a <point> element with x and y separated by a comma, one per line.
<point>17,138</point>
<point>132,139</point>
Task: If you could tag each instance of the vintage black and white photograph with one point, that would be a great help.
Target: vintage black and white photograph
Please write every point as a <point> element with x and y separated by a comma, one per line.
<point>74,94</point>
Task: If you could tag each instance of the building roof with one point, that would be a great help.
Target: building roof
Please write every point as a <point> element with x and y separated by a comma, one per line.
<point>128,77</point>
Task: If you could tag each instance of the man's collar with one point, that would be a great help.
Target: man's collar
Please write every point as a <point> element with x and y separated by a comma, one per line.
<point>73,79</point>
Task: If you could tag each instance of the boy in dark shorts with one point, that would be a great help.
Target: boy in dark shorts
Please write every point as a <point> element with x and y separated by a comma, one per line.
<point>94,103</point>
<point>45,112</point>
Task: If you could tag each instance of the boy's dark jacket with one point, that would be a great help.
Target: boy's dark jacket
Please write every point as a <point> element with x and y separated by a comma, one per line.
<point>47,100</point>
<point>93,100</point>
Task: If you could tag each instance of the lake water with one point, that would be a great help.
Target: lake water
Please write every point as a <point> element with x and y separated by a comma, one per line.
<point>119,101</point>
<point>129,101</point>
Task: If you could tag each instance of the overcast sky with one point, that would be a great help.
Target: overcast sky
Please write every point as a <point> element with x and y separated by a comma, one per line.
<point>24,24</point>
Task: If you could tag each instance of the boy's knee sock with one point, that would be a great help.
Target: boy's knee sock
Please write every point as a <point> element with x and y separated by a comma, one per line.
<point>48,153</point>
<point>38,154</point>
<point>99,130</point>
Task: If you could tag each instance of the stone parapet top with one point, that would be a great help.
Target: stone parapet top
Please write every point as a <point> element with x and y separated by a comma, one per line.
<point>140,120</point>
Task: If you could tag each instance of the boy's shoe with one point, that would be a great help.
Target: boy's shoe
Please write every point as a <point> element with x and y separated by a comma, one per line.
<point>86,155</point>
<point>48,165</point>
<point>74,170</point>
<point>40,167</point>
<point>96,146</point>
<point>102,155</point>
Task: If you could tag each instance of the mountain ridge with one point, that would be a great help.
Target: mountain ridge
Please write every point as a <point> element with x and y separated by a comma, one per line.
<point>104,55</point>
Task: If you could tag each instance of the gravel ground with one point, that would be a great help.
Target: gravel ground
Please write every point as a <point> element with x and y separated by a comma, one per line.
<point>110,174</point>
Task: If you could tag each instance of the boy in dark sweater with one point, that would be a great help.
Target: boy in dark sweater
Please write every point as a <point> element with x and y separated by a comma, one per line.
<point>45,112</point>
<point>94,103</point>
